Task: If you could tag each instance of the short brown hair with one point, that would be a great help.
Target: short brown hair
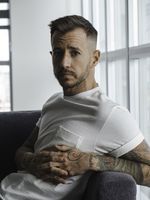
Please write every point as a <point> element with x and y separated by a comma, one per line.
<point>68,23</point>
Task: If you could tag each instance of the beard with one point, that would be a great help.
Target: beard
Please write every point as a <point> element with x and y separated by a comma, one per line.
<point>69,79</point>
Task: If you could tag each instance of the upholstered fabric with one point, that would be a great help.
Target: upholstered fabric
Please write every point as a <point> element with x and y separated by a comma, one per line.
<point>110,186</point>
<point>14,129</point>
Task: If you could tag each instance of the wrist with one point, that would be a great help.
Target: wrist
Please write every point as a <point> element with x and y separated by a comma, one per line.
<point>94,162</point>
<point>27,160</point>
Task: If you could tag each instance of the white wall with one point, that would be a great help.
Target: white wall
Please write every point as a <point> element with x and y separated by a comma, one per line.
<point>32,74</point>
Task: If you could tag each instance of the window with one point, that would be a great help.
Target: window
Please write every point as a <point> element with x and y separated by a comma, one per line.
<point>5,68</point>
<point>124,69</point>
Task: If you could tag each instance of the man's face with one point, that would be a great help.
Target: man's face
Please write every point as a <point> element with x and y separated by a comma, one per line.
<point>71,58</point>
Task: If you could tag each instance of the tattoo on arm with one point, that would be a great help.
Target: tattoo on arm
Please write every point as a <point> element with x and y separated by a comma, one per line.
<point>140,154</point>
<point>136,163</point>
<point>140,172</point>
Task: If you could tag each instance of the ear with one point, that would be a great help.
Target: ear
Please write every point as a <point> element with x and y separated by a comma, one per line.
<point>96,57</point>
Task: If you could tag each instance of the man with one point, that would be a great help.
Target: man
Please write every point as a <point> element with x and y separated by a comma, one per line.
<point>80,130</point>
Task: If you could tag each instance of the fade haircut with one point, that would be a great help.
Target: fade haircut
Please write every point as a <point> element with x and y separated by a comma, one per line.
<point>69,23</point>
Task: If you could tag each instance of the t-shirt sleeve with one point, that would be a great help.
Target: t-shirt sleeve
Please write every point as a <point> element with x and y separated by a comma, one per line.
<point>120,133</point>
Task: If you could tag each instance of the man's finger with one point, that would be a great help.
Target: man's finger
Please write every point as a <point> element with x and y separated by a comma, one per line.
<point>43,156</point>
<point>59,171</point>
<point>58,156</point>
<point>63,147</point>
<point>53,178</point>
<point>53,167</point>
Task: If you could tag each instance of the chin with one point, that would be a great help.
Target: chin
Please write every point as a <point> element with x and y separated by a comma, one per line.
<point>67,85</point>
<point>70,84</point>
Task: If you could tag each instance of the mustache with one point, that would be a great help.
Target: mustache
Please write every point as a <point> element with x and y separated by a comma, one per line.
<point>65,72</point>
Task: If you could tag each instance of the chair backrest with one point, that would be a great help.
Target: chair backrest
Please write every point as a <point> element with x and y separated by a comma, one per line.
<point>15,127</point>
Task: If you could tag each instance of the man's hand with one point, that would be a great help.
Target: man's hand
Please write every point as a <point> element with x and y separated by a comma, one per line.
<point>136,162</point>
<point>73,160</point>
<point>45,165</point>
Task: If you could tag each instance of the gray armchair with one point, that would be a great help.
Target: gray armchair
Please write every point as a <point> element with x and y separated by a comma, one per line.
<point>15,128</point>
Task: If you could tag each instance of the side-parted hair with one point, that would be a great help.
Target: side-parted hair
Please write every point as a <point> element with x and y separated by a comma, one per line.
<point>68,23</point>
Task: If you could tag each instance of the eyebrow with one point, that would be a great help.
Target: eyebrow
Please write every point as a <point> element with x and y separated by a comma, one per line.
<point>74,48</point>
<point>69,47</point>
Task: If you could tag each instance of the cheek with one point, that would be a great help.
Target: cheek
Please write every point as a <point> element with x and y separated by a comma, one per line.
<point>55,66</point>
<point>82,62</point>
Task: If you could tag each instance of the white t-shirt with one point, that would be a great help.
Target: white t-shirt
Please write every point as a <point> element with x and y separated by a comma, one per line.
<point>89,121</point>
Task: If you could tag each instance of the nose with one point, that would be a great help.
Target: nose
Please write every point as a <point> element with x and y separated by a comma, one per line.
<point>66,60</point>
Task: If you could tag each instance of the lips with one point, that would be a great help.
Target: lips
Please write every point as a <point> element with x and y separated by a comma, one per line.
<point>66,73</point>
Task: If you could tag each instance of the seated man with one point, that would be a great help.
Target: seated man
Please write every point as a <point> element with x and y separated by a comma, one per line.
<point>80,130</point>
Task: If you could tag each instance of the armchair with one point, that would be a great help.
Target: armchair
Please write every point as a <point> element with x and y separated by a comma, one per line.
<point>14,129</point>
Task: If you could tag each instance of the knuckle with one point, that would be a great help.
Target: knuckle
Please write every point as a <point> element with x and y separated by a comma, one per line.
<point>71,173</point>
<point>68,169</point>
<point>50,165</point>
<point>63,158</point>
<point>50,154</point>
<point>66,163</point>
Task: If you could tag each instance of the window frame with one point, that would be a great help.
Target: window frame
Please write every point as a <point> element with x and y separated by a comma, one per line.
<point>6,15</point>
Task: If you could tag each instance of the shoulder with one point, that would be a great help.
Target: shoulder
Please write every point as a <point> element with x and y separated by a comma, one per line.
<point>125,130</point>
<point>122,122</point>
<point>120,133</point>
<point>55,97</point>
<point>50,102</point>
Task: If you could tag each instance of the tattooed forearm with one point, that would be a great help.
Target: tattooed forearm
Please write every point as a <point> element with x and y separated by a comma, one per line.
<point>140,172</point>
<point>138,166</point>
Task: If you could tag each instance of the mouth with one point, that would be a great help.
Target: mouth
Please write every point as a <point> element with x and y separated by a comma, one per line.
<point>66,74</point>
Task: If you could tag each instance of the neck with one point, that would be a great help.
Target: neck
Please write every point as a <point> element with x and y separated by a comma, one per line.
<point>80,88</point>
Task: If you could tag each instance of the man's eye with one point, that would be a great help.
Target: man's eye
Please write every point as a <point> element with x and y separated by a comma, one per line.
<point>74,53</point>
<point>57,53</point>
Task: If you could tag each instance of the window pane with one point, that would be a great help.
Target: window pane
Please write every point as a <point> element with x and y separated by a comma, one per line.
<point>87,5</point>
<point>144,21</point>
<point>139,26</point>
<point>4,88</point>
<point>134,88</point>
<point>4,22</point>
<point>4,45</point>
<point>103,81</point>
<point>117,81</point>
<point>140,101</point>
<point>3,6</point>
<point>116,32</point>
<point>133,22</point>
<point>144,79</point>
<point>140,93</point>
<point>99,22</point>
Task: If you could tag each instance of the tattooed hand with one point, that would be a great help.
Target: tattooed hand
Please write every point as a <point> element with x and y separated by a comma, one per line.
<point>75,162</point>
<point>45,165</point>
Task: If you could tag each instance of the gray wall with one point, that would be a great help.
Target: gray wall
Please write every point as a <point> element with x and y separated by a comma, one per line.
<point>32,74</point>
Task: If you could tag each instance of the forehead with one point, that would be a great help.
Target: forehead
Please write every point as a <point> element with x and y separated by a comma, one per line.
<point>76,38</point>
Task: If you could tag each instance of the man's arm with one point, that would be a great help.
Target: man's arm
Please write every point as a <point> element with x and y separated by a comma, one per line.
<point>25,152</point>
<point>135,163</point>
<point>39,164</point>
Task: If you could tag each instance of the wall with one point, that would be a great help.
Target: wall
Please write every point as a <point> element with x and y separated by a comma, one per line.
<point>32,74</point>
